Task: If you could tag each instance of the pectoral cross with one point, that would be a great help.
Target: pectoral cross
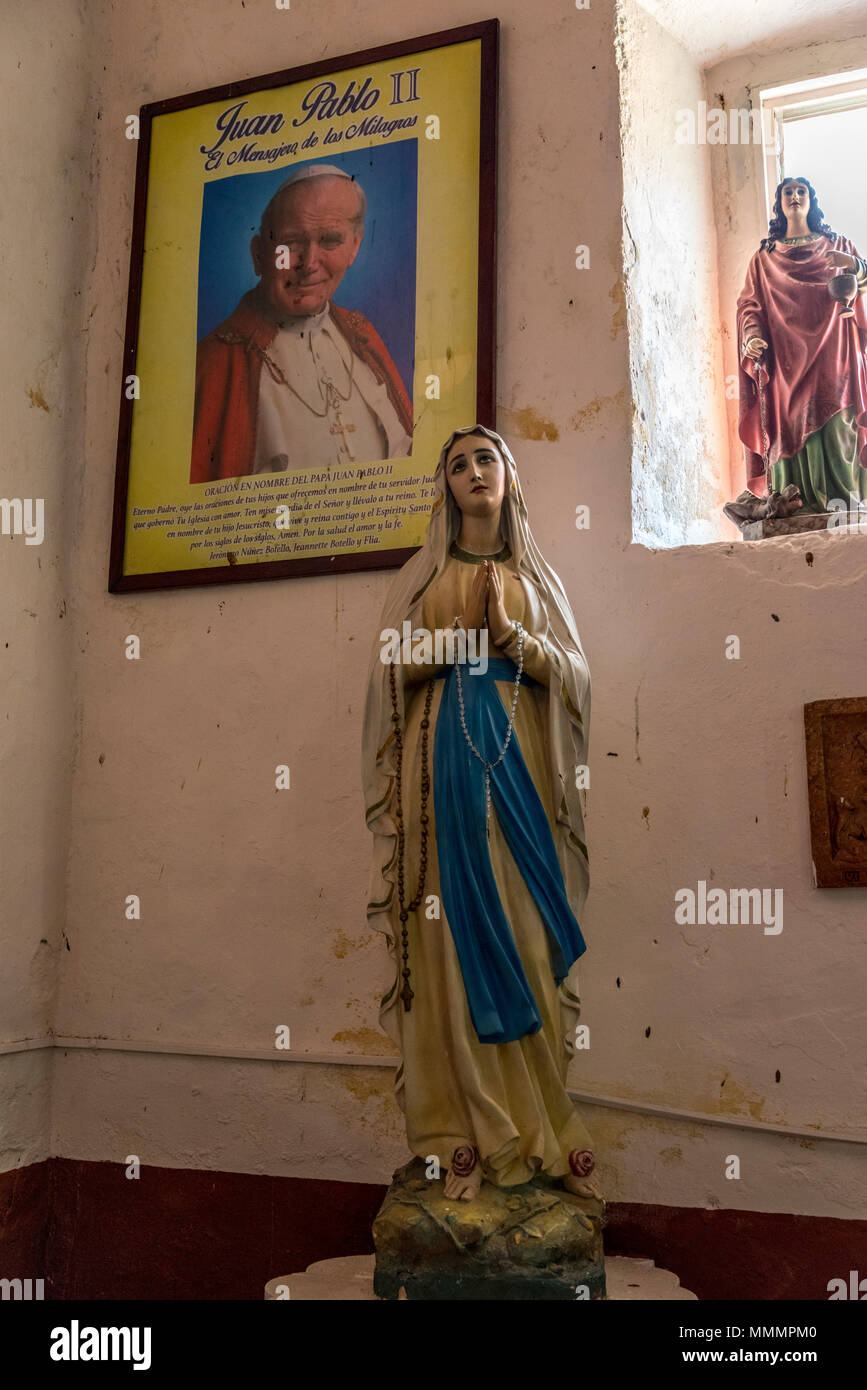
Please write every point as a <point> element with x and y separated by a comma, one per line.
<point>333,402</point>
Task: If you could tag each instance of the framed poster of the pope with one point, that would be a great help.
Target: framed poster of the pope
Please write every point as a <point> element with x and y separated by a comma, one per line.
<point>311,312</point>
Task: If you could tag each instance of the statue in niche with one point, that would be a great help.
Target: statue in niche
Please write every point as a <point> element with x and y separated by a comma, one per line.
<point>802,334</point>
<point>480,869</point>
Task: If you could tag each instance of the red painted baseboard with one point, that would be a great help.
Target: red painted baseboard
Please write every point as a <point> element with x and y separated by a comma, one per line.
<point>741,1254</point>
<point>25,1202</point>
<point>179,1233</point>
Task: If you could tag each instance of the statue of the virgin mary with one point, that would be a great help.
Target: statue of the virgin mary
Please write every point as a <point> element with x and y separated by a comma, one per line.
<point>480,868</point>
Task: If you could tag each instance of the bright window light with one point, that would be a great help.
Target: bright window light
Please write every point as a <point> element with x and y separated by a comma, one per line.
<point>826,149</point>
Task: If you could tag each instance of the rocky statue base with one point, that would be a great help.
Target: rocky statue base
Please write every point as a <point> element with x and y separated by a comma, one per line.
<point>536,1241</point>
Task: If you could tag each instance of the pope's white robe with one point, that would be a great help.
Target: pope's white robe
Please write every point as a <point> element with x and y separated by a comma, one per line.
<point>293,433</point>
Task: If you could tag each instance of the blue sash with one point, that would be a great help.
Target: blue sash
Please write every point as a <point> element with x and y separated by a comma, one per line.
<point>500,1000</point>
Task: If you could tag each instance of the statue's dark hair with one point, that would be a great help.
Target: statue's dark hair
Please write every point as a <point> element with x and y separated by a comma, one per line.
<point>777,225</point>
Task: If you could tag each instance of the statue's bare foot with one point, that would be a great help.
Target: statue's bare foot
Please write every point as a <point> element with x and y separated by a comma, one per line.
<point>464,1177</point>
<point>583,1187</point>
<point>579,1179</point>
<point>463,1189</point>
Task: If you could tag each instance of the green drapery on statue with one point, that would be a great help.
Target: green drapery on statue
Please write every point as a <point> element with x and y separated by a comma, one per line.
<point>826,468</point>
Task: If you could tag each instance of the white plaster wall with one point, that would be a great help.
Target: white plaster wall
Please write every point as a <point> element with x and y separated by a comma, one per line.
<point>679,463</point>
<point>739,180</point>
<point>47,236</point>
<point>253,902</point>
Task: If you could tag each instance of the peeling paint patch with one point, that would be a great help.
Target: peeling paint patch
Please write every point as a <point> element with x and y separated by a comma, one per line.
<point>367,1040</point>
<point>617,295</point>
<point>593,408</point>
<point>365,1087</point>
<point>343,945</point>
<point>737,1101</point>
<point>527,423</point>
